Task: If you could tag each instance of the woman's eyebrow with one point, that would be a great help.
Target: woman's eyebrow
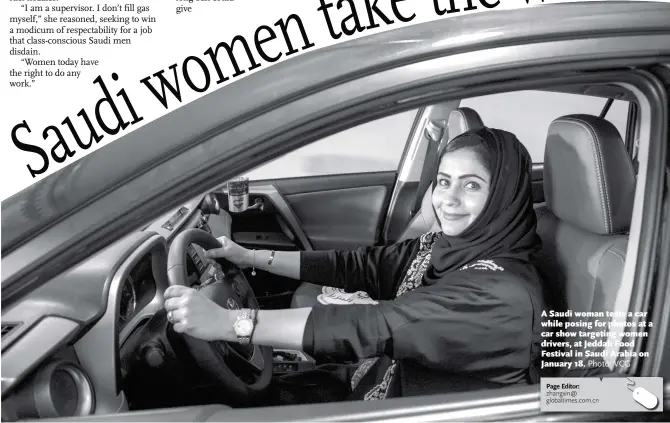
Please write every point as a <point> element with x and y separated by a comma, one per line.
<point>472,175</point>
<point>469,175</point>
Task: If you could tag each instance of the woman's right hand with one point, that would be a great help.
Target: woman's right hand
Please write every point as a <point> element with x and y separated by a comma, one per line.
<point>232,252</point>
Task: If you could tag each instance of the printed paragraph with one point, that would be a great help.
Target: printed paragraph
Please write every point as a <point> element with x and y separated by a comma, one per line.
<point>573,339</point>
<point>46,40</point>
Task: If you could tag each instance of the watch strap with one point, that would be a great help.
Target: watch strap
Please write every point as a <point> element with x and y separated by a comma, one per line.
<point>253,315</point>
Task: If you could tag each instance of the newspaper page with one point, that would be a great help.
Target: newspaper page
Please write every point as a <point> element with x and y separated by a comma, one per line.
<point>211,207</point>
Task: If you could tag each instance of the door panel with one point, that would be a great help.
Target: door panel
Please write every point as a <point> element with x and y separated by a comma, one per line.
<point>340,211</point>
<point>337,188</point>
<point>305,184</point>
<point>340,218</point>
<point>269,224</point>
<point>308,213</point>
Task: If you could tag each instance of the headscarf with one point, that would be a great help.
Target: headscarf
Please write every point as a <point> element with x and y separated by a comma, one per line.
<point>506,226</point>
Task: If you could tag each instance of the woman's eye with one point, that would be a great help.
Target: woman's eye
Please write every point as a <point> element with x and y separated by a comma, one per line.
<point>443,183</point>
<point>472,185</point>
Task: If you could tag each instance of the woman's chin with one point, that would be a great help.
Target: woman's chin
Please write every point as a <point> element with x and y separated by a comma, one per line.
<point>452,230</point>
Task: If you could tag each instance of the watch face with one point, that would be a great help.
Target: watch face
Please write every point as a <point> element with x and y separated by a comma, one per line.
<point>243,327</point>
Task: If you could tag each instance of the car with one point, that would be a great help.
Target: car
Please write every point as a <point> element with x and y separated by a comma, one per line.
<point>88,251</point>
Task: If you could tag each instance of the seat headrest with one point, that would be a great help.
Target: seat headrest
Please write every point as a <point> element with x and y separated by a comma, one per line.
<point>463,119</point>
<point>588,176</point>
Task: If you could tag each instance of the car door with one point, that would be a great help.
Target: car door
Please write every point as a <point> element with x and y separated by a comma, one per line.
<point>351,189</point>
<point>354,188</point>
<point>331,194</point>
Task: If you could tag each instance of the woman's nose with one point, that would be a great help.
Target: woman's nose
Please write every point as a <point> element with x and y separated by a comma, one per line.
<point>451,198</point>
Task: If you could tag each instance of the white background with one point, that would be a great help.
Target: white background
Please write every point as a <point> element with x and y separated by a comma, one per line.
<point>173,38</point>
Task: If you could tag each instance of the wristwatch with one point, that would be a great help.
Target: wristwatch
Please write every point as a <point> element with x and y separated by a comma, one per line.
<point>245,324</point>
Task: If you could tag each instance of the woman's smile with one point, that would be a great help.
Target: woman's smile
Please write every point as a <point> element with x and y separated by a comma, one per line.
<point>452,216</point>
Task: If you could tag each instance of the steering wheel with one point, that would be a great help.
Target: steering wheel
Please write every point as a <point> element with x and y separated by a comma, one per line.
<point>243,371</point>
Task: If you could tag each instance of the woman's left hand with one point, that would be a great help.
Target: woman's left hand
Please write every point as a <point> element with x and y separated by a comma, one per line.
<point>196,315</point>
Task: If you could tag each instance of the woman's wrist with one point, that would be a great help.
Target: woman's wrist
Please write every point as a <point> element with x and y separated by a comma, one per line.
<point>283,263</point>
<point>226,323</point>
<point>257,259</point>
<point>248,260</point>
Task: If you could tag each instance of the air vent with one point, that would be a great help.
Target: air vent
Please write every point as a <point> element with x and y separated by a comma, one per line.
<point>170,224</point>
<point>8,327</point>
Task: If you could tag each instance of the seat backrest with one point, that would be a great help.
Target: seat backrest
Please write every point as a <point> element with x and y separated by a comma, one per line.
<point>589,186</point>
<point>460,120</point>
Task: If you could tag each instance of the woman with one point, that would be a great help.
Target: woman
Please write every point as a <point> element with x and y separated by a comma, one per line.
<point>457,309</point>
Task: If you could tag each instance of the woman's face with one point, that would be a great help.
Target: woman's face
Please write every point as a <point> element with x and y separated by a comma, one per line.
<point>463,185</point>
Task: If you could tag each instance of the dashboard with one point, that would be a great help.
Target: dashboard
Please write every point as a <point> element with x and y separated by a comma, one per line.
<point>69,345</point>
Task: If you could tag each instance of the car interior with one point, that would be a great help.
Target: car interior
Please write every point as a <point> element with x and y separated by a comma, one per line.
<point>131,359</point>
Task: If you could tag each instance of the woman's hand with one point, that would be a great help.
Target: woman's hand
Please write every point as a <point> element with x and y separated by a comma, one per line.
<point>232,252</point>
<point>196,315</point>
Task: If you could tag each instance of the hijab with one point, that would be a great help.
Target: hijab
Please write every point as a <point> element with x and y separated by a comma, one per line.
<point>505,228</point>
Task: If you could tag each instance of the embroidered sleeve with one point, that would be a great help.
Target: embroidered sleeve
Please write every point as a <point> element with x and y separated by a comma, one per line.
<point>469,327</point>
<point>458,325</point>
<point>374,270</point>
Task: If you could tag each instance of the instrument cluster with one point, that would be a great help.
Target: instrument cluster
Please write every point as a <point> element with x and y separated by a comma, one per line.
<point>138,290</point>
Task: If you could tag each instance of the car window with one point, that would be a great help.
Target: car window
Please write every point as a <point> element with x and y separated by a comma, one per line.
<point>528,114</point>
<point>371,147</point>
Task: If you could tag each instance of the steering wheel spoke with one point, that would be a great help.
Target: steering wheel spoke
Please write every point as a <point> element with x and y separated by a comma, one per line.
<point>254,364</point>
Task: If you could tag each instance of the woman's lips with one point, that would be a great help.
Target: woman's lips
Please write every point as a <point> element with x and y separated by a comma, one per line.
<point>452,216</point>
